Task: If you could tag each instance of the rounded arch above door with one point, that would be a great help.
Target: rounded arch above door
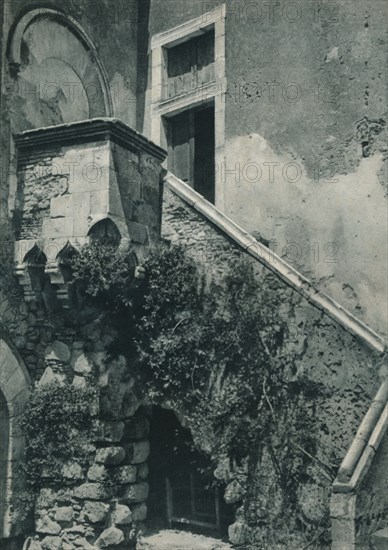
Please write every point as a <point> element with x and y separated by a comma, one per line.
<point>58,77</point>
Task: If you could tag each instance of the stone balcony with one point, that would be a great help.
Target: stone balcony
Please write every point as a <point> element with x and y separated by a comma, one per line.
<point>78,180</point>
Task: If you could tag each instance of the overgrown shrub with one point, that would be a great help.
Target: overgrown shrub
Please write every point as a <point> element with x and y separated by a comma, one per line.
<point>105,272</point>
<point>217,355</point>
<point>57,423</point>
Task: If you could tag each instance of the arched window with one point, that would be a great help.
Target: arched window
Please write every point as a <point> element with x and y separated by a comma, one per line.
<point>36,262</point>
<point>15,387</point>
<point>105,231</point>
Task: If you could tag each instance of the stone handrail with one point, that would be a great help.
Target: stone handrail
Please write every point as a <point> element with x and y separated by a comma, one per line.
<point>365,443</point>
<point>276,264</point>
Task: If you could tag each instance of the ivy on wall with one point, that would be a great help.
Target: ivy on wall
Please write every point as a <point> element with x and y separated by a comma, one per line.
<point>218,352</point>
<point>104,272</point>
<point>58,423</point>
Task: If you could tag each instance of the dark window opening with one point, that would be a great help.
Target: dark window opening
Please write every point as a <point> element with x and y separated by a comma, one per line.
<point>191,148</point>
<point>105,231</point>
<point>183,490</point>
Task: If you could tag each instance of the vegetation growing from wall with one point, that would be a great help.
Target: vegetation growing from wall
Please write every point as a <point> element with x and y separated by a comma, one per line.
<point>218,353</point>
<point>105,272</point>
<point>57,422</point>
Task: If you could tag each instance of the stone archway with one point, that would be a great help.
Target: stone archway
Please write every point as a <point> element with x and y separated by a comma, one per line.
<point>14,392</point>
<point>183,492</point>
<point>58,76</point>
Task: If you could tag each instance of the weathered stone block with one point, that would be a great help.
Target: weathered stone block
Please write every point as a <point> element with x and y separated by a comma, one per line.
<point>126,474</point>
<point>72,470</point>
<point>380,539</point>
<point>138,452</point>
<point>111,455</point>
<point>95,512</point>
<point>60,206</point>
<point>58,228</point>
<point>84,544</point>
<point>51,543</point>
<point>110,537</point>
<point>92,491</point>
<point>75,530</point>
<point>46,526</point>
<point>109,432</point>
<point>234,492</point>
<point>137,492</point>
<point>139,512</point>
<point>35,545</point>
<point>97,472</point>
<point>222,471</point>
<point>142,471</point>
<point>238,533</point>
<point>122,515</point>
<point>64,514</point>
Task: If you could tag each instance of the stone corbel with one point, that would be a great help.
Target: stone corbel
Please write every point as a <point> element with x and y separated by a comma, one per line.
<point>30,292</point>
<point>53,270</point>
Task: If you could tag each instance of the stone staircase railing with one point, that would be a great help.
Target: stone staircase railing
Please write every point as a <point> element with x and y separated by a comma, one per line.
<point>361,481</point>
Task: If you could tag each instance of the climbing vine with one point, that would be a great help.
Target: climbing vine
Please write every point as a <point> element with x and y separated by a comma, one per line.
<point>105,273</point>
<point>218,354</point>
<point>57,423</point>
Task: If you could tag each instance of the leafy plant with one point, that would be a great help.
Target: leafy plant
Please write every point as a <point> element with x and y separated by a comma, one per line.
<point>57,422</point>
<point>105,272</point>
<point>217,354</point>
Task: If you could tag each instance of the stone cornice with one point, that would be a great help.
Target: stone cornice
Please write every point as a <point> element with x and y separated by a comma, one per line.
<point>84,131</point>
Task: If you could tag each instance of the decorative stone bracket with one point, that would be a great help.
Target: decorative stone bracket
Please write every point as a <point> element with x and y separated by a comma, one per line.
<point>74,181</point>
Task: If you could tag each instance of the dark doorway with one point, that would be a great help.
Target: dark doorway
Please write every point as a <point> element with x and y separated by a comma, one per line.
<point>183,492</point>
<point>191,148</point>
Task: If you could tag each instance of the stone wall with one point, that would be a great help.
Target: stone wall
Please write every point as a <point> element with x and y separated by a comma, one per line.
<point>71,178</point>
<point>372,501</point>
<point>96,503</point>
<point>324,351</point>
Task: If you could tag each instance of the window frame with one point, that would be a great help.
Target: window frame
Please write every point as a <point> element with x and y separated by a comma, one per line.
<point>202,96</point>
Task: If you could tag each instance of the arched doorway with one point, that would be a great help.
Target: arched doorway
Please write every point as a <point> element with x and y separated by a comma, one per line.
<point>14,392</point>
<point>183,491</point>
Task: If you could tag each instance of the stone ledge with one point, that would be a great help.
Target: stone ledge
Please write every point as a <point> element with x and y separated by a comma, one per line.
<point>84,131</point>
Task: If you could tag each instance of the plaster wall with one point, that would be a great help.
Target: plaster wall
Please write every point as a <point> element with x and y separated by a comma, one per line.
<point>305,137</point>
<point>306,134</point>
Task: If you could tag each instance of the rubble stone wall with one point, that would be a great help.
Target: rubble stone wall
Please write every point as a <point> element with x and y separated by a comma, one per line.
<point>325,352</point>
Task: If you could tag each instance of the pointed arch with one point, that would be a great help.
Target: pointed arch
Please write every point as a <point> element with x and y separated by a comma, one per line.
<point>105,230</point>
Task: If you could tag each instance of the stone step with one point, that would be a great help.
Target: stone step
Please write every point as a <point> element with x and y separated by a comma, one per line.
<point>170,539</point>
<point>380,539</point>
